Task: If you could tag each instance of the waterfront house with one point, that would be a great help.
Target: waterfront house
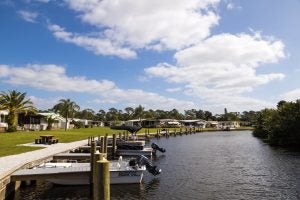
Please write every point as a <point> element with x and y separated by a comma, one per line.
<point>40,121</point>
<point>194,123</point>
<point>169,123</point>
<point>212,124</point>
<point>3,122</point>
<point>229,124</point>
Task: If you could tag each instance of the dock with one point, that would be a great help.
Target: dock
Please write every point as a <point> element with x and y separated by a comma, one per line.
<point>9,164</point>
<point>81,171</point>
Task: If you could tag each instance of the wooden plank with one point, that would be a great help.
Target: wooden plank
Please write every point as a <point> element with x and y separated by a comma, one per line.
<point>73,156</point>
<point>51,173</point>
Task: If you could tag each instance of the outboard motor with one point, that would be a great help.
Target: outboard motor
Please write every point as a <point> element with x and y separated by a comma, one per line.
<point>142,160</point>
<point>155,147</point>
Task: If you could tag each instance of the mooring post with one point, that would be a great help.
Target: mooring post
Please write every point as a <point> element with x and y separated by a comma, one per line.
<point>102,180</point>
<point>97,156</point>
<point>93,151</point>
<point>120,136</point>
<point>114,145</point>
<point>105,144</point>
<point>102,145</point>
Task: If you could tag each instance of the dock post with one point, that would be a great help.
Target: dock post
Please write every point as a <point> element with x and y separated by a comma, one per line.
<point>114,145</point>
<point>93,151</point>
<point>120,136</point>
<point>102,145</point>
<point>102,180</point>
<point>97,156</point>
<point>105,144</point>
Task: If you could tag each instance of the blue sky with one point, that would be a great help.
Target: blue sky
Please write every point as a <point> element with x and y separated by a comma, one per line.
<point>183,54</point>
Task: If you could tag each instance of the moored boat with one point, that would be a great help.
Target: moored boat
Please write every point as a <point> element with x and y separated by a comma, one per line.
<point>121,172</point>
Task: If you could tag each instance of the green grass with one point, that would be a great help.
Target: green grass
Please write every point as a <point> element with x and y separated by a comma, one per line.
<point>9,141</point>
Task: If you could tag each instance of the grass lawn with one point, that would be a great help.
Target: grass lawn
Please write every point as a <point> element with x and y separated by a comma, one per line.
<point>9,141</point>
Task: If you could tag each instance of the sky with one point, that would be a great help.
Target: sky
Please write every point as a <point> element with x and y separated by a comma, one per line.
<point>183,54</point>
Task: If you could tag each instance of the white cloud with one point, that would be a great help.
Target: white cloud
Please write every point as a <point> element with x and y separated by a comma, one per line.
<point>177,89</point>
<point>291,95</point>
<point>98,45</point>
<point>28,16</point>
<point>44,103</point>
<point>54,78</point>
<point>223,67</point>
<point>128,25</point>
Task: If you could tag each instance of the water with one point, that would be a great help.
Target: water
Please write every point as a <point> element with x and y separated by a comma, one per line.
<point>214,165</point>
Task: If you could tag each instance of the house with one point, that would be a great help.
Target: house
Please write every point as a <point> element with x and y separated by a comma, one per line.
<point>150,123</point>
<point>3,118</point>
<point>169,123</point>
<point>212,124</point>
<point>40,121</point>
<point>194,123</point>
<point>229,124</point>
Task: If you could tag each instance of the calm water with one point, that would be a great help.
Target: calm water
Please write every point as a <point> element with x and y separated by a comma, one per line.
<point>216,165</point>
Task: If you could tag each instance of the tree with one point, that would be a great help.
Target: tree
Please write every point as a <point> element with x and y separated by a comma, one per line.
<point>280,127</point>
<point>200,114</point>
<point>174,114</point>
<point>15,102</point>
<point>112,115</point>
<point>66,108</point>
<point>208,115</point>
<point>87,114</point>
<point>190,114</point>
<point>101,115</point>
<point>139,112</point>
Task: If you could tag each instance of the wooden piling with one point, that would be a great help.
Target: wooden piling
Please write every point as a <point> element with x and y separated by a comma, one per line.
<point>102,180</point>
<point>114,145</point>
<point>105,143</point>
<point>102,145</point>
<point>93,151</point>
<point>97,156</point>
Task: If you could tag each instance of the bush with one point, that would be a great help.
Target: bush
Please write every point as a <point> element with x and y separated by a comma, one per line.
<point>12,128</point>
<point>78,124</point>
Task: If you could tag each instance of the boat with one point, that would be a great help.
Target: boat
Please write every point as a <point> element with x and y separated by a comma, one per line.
<point>131,129</point>
<point>121,172</point>
<point>128,126</point>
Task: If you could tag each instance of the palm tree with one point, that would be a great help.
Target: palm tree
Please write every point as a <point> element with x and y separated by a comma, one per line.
<point>15,102</point>
<point>66,108</point>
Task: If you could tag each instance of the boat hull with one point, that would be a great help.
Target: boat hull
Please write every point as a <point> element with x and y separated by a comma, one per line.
<point>116,177</point>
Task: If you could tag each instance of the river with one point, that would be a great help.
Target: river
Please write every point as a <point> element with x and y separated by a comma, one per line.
<point>209,165</point>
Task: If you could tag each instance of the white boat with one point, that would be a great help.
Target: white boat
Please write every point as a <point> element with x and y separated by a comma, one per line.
<point>121,172</point>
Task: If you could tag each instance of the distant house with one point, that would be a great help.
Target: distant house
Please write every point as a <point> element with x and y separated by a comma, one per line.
<point>212,124</point>
<point>150,123</point>
<point>97,123</point>
<point>229,124</point>
<point>39,121</point>
<point>3,118</point>
<point>194,123</point>
<point>169,123</point>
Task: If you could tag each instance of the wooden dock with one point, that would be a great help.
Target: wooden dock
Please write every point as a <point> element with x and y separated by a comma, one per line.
<point>82,170</point>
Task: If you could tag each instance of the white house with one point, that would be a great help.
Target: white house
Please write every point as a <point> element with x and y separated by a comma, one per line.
<point>194,123</point>
<point>3,123</point>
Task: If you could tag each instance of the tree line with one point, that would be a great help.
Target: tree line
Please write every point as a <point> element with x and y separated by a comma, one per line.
<point>16,102</point>
<point>280,126</point>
